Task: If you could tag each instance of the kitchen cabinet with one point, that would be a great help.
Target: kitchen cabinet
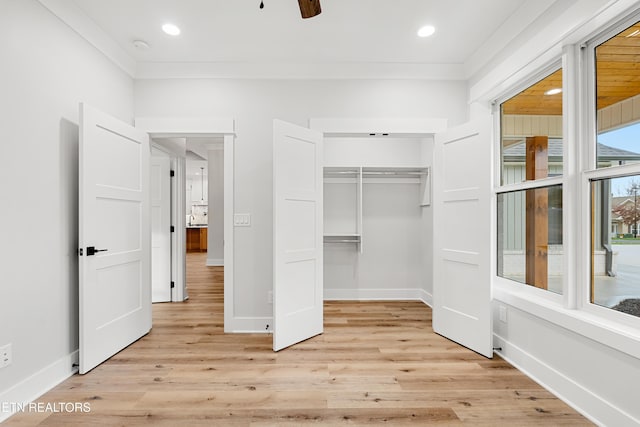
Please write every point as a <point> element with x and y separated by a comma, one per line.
<point>196,239</point>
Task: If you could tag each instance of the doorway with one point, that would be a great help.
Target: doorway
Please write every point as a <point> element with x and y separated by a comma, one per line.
<point>183,139</point>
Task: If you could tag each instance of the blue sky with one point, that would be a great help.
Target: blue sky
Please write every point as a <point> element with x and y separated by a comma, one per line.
<point>626,138</point>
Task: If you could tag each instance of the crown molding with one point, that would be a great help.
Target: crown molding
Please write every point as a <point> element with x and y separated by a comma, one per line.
<point>277,70</point>
<point>69,13</point>
<point>522,18</point>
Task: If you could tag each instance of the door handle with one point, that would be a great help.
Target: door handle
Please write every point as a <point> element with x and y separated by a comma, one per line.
<point>91,250</point>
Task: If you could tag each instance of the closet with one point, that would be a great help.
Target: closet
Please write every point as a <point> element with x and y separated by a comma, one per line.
<point>355,195</point>
<point>377,216</point>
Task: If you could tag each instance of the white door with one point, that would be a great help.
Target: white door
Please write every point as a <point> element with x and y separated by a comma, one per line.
<point>115,255</point>
<point>462,236</point>
<point>160,229</point>
<point>297,234</point>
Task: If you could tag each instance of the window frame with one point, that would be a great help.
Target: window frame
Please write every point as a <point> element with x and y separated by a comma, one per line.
<point>590,170</point>
<point>570,311</point>
<point>557,63</point>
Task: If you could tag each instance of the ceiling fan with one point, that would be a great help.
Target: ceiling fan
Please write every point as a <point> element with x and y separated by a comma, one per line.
<point>308,8</point>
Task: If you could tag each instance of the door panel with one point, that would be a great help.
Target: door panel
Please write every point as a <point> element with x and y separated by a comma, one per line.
<point>297,280</point>
<point>115,282</point>
<point>462,236</point>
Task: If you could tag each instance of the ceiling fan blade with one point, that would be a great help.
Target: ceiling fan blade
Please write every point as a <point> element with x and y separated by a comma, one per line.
<point>309,8</point>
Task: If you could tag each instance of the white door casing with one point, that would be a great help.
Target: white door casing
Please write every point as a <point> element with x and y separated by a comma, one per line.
<point>115,285</point>
<point>160,229</point>
<point>297,234</point>
<point>462,236</point>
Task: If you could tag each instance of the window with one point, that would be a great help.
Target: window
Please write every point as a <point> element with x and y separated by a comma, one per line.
<point>615,257</point>
<point>614,175</point>
<point>567,188</point>
<point>531,132</point>
<point>530,240</point>
<point>618,98</point>
<point>530,234</point>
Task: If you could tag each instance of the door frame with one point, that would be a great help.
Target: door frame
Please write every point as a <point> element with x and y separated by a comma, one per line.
<point>166,127</point>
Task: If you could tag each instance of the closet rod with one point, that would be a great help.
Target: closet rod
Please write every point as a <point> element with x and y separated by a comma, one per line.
<point>393,173</point>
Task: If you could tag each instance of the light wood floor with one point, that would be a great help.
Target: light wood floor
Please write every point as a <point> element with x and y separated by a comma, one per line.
<point>377,362</point>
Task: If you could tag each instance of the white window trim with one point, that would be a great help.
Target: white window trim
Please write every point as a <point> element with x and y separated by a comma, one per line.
<point>590,171</point>
<point>592,325</point>
<point>502,283</point>
<point>529,185</point>
<point>573,309</point>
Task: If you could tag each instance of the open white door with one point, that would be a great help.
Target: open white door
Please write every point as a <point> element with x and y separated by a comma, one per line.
<point>115,255</point>
<point>297,234</point>
<point>160,229</point>
<point>462,236</point>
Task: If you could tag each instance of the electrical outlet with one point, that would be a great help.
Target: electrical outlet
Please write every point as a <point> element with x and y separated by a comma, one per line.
<point>503,313</point>
<point>270,297</point>
<point>5,356</point>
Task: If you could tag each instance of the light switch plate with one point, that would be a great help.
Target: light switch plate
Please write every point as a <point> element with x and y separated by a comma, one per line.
<point>242,220</point>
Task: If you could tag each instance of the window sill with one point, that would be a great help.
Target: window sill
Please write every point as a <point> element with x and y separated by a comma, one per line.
<point>608,332</point>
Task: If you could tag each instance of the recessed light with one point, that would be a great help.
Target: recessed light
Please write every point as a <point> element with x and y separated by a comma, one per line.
<point>426,31</point>
<point>553,91</point>
<point>171,29</point>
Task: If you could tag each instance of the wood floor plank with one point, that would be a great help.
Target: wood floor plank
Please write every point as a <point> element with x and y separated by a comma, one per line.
<point>376,362</point>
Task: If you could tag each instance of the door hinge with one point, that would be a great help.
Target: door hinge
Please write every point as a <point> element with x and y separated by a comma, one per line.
<point>173,229</point>
<point>81,252</point>
<point>172,173</point>
<point>173,285</point>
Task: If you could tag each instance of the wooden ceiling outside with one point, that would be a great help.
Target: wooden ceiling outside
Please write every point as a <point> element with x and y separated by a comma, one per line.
<point>617,74</point>
<point>533,101</point>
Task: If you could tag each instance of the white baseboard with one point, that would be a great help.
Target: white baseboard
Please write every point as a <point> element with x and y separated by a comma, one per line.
<point>248,325</point>
<point>253,325</point>
<point>583,400</point>
<point>39,383</point>
<point>426,297</point>
<point>216,262</point>
<point>371,294</point>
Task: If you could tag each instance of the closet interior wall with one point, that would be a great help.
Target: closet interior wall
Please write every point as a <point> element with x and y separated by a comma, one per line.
<point>377,217</point>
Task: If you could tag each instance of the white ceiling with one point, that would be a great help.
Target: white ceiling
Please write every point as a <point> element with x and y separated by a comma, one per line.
<point>347,30</point>
<point>237,38</point>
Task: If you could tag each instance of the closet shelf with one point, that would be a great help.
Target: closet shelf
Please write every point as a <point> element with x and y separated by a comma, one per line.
<point>342,238</point>
<point>341,172</point>
<point>394,172</point>
<point>375,172</point>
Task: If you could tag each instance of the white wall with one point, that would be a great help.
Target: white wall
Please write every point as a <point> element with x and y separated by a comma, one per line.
<point>394,258</point>
<point>46,71</point>
<point>390,264</point>
<point>254,104</point>
<point>215,236</point>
